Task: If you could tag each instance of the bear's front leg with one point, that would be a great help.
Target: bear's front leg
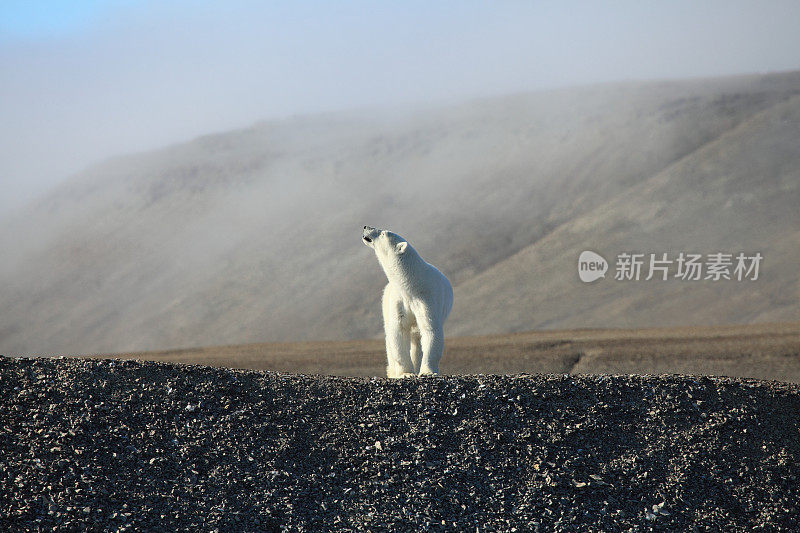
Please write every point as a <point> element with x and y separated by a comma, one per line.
<point>398,344</point>
<point>398,335</point>
<point>397,352</point>
<point>432,341</point>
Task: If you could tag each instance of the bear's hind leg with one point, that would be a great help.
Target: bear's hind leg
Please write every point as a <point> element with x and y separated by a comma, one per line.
<point>416,350</point>
<point>432,341</point>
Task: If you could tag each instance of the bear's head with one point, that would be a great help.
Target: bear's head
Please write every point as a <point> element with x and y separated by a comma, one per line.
<point>384,242</point>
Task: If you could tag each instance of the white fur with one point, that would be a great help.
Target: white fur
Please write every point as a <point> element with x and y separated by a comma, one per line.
<point>416,302</point>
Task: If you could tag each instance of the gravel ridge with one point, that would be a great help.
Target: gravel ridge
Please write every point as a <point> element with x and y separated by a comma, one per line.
<point>109,445</point>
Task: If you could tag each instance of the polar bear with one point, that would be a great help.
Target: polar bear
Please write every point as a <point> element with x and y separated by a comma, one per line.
<point>416,302</point>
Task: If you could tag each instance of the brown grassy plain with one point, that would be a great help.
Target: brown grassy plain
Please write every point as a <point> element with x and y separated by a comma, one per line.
<point>764,351</point>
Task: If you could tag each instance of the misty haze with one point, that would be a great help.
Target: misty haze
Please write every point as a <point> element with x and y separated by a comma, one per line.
<point>253,235</point>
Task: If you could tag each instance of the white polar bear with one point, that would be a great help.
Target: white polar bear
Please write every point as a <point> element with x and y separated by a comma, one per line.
<point>416,303</point>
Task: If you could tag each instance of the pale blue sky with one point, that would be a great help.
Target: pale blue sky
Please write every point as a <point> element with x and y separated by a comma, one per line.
<point>82,80</point>
<point>37,19</point>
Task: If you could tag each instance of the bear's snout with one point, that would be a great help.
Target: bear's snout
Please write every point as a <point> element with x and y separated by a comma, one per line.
<point>368,235</point>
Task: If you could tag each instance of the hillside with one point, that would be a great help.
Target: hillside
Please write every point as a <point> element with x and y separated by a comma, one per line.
<point>739,192</point>
<point>127,445</point>
<point>253,235</point>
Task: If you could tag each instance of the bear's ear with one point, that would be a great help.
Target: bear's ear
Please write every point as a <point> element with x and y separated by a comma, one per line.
<point>401,247</point>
